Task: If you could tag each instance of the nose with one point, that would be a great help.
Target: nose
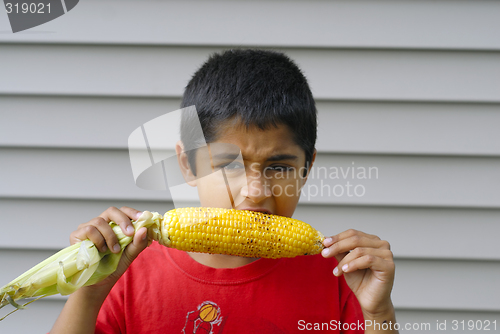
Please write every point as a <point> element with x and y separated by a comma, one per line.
<point>256,189</point>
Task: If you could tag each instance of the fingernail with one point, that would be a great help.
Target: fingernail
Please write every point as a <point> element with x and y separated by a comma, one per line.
<point>130,229</point>
<point>335,271</point>
<point>116,248</point>
<point>327,241</point>
<point>325,251</point>
<point>104,248</point>
<point>344,267</point>
<point>144,236</point>
<point>138,214</point>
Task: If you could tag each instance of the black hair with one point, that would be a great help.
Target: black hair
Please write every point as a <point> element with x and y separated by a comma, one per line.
<point>260,88</point>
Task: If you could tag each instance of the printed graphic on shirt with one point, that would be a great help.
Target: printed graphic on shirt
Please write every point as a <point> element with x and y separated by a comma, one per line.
<point>205,319</point>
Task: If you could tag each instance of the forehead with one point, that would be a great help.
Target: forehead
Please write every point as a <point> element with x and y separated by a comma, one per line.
<point>256,144</point>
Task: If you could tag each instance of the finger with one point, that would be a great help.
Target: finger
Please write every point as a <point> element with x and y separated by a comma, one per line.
<point>326,251</point>
<point>343,246</point>
<point>351,232</point>
<point>368,261</point>
<point>347,234</point>
<point>361,252</point>
<point>99,232</point>
<point>131,213</point>
<point>108,234</point>
<point>89,232</point>
<point>120,218</point>
<point>136,246</point>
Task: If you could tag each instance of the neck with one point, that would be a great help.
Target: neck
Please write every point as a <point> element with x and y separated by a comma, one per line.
<point>220,260</point>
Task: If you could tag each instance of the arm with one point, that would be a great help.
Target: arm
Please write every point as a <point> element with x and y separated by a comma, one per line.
<point>80,312</point>
<point>368,268</point>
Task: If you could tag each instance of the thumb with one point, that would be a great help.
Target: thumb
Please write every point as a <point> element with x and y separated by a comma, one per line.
<point>139,243</point>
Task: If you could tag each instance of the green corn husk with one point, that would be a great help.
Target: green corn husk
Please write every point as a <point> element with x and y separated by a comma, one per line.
<point>71,268</point>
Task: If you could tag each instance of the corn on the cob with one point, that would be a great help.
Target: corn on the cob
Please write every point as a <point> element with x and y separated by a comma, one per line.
<point>208,230</point>
<point>235,232</point>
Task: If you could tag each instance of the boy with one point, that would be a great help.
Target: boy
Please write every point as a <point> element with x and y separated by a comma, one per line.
<point>261,102</point>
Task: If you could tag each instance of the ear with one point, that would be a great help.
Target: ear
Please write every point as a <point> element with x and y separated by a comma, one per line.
<point>310,167</point>
<point>184,166</point>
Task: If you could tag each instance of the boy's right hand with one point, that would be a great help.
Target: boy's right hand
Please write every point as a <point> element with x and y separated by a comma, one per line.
<point>102,235</point>
<point>82,307</point>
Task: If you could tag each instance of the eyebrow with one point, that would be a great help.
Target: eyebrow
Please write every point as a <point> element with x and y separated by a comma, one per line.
<point>229,156</point>
<point>279,157</point>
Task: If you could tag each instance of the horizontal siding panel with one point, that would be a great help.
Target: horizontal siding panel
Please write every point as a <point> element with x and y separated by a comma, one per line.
<point>421,321</point>
<point>420,284</point>
<point>335,179</point>
<point>66,173</point>
<point>344,127</point>
<point>380,24</point>
<point>48,223</point>
<point>455,285</point>
<point>409,128</point>
<point>413,233</point>
<point>77,122</point>
<point>38,317</point>
<point>333,74</point>
<point>404,181</point>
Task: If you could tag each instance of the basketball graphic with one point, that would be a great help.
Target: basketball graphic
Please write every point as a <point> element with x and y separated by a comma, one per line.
<point>205,319</point>
<point>208,312</point>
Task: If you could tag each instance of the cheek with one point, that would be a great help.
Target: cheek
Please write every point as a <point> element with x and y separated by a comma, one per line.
<point>286,196</point>
<point>286,205</point>
<point>212,193</point>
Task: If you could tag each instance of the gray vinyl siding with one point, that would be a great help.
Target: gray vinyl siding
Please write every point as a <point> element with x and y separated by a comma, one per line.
<point>461,129</point>
<point>409,87</point>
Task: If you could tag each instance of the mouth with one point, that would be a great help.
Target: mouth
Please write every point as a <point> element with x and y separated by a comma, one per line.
<point>262,210</point>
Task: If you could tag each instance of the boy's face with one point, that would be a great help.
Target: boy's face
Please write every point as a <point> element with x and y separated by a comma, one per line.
<point>272,163</point>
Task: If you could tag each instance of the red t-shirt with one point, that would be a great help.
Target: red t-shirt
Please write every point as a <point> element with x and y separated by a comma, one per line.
<point>166,291</point>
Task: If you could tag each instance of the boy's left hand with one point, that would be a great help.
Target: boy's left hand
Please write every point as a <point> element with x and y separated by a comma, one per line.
<point>368,267</point>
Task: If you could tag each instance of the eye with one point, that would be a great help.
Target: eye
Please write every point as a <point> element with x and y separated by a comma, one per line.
<point>280,168</point>
<point>232,166</point>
